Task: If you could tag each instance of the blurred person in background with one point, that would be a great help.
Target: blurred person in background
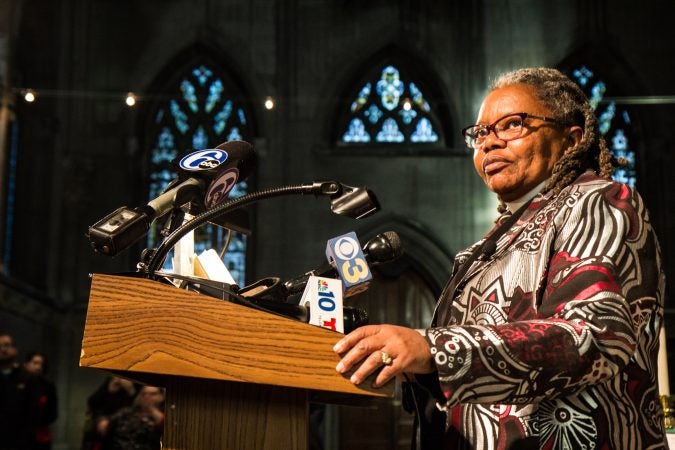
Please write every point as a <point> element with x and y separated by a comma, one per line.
<point>19,399</point>
<point>35,366</point>
<point>137,427</point>
<point>113,394</point>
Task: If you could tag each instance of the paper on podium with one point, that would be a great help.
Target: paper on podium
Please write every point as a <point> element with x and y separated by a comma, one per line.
<point>183,257</point>
<point>209,265</point>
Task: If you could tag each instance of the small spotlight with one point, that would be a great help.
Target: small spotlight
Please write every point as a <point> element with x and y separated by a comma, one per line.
<point>29,95</point>
<point>407,105</point>
<point>269,103</point>
<point>131,99</point>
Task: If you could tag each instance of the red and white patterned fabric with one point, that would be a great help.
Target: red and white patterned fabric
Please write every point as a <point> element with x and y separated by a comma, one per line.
<point>552,342</point>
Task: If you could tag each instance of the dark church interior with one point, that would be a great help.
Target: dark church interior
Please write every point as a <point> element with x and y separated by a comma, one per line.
<point>367,93</point>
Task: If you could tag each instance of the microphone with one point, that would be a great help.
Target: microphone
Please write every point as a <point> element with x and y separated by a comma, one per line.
<point>489,248</point>
<point>238,164</point>
<point>352,317</point>
<point>217,170</point>
<point>382,248</point>
<point>345,254</point>
<point>211,173</point>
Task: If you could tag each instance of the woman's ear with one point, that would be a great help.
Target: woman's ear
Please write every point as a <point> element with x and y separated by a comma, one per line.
<point>574,135</point>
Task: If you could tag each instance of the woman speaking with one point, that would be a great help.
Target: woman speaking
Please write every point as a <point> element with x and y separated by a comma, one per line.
<point>547,334</point>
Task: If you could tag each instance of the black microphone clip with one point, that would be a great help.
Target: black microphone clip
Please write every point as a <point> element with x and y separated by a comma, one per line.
<point>354,202</point>
<point>489,248</point>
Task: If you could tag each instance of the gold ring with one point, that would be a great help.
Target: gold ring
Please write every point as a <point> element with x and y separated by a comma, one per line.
<point>386,359</point>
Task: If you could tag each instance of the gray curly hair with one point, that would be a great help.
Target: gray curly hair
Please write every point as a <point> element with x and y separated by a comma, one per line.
<point>568,103</point>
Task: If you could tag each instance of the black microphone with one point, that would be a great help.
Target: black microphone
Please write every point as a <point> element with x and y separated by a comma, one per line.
<point>209,174</point>
<point>489,248</point>
<point>382,248</point>
<point>352,317</point>
<point>215,171</point>
<point>238,165</point>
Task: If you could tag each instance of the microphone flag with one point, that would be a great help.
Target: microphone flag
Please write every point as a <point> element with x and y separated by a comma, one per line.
<point>346,254</point>
<point>323,298</point>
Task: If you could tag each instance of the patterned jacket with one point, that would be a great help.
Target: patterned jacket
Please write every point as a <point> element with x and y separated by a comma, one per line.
<point>552,341</point>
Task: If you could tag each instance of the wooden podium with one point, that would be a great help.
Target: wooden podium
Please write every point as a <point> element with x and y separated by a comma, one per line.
<point>236,377</point>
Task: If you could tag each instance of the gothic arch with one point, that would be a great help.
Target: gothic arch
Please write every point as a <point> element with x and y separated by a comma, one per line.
<point>196,102</point>
<point>610,63</point>
<point>404,291</point>
<point>422,252</point>
<point>182,61</point>
<point>414,69</point>
<point>620,80</point>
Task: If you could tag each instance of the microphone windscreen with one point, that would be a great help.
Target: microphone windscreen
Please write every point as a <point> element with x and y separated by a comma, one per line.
<point>242,153</point>
<point>384,247</point>
<point>394,243</point>
<point>354,318</point>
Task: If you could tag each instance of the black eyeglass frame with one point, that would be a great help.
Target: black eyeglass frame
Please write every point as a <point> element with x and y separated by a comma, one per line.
<point>491,127</point>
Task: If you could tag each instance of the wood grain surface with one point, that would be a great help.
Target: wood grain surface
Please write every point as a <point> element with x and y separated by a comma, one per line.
<point>141,326</point>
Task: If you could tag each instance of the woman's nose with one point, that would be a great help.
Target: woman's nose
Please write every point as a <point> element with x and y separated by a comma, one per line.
<point>491,142</point>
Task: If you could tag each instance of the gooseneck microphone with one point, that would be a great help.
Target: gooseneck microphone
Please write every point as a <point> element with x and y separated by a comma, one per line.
<point>382,248</point>
<point>353,202</point>
<point>205,177</point>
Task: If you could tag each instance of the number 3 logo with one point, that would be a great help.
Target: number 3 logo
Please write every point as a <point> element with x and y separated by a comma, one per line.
<point>355,270</point>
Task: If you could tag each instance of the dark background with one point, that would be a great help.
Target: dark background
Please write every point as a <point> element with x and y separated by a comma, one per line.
<point>81,152</point>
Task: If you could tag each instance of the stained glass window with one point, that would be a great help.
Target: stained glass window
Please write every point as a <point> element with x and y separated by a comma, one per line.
<point>202,112</point>
<point>389,109</point>
<point>614,122</point>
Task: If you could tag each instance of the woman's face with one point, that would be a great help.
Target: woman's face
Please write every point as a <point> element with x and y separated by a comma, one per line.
<point>513,168</point>
<point>35,365</point>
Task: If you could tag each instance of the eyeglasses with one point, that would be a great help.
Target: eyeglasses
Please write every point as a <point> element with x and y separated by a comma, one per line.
<point>507,128</point>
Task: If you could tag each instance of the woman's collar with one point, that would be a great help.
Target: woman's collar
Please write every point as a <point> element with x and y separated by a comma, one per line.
<point>516,204</point>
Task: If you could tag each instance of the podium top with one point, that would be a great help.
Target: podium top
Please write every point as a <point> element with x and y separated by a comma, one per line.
<point>141,326</point>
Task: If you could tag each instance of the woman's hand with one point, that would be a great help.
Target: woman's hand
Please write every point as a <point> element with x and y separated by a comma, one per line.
<point>396,349</point>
